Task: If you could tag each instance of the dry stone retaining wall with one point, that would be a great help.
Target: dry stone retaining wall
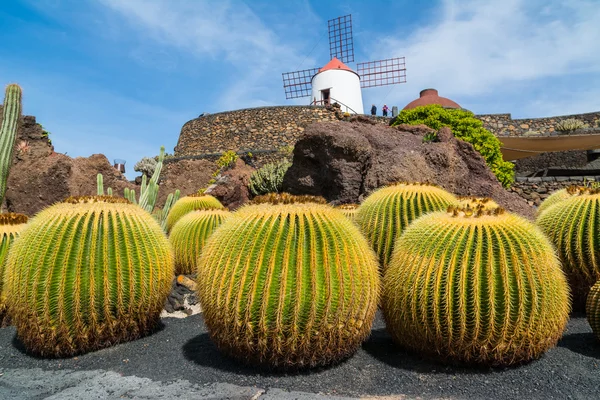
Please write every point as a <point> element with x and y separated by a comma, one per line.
<point>536,190</point>
<point>504,125</point>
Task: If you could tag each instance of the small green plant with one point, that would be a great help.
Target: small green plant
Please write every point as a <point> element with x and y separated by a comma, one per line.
<point>286,151</point>
<point>227,160</point>
<point>146,166</point>
<point>569,125</point>
<point>269,178</point>
<point>532,133</point>
<point>431,137</point>
<point>466,127</point>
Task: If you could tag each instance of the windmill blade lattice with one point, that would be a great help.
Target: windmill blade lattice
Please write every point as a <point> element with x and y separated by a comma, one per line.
<point>382,72</point>
<point>341,43</point>
<point>298,83</point>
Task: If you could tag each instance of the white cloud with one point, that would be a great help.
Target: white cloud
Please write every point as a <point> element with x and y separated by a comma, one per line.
<point>216,31</point>
<point>474,48</point>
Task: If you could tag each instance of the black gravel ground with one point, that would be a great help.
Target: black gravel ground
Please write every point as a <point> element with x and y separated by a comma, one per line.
<point>182,350</point>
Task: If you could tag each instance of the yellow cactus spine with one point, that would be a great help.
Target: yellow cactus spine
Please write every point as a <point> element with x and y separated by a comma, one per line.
<point>592,309</point>
<point>557,197</point>
<point>349,210</point>
<point>476,203</point>
<point>288,285</point>
<point>191,203</point>
<point>87,273</point>
<point>479,287</point>
<point>10,226</point>
<point>189,235</point>
<point>572,225</point>
<point>385,214</point>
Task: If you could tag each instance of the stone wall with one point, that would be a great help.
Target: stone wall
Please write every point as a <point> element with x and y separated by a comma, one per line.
<point>559,159</point>
<point>504,125</point>
<point>535,190</point>
<point>252,129</point>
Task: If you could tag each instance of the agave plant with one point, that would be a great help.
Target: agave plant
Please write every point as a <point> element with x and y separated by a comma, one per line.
<point>288,285</point>
<point>475,286</point>
<point>87,273</point>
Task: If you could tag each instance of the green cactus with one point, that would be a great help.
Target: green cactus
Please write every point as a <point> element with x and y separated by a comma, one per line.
<point>385,214</point>
<point>85,274</point>
<point>190,203</point>
<point>269,178</point>
<point>10,226</point>
<point>8,133</point>
<point>476,203</point>
<point>557,197</point>
<point>189,235</point>
<point>572,225</point>
<point>592,309</point>
<point>481,287</point>
<point>349,210</point>
<point>288,285</point>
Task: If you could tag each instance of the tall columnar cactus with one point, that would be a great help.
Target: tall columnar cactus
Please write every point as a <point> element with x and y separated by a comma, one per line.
<point>572,225</point>
<point>478,287</point>
<point>10,226</point>
<point>592,309</point>
<point>87,273</point>
<point>385,214</point>
<point>190,203</point>
<point>556,197</point>
<point>189,235</point>
<point>8,133</point>
<point>288,285</point>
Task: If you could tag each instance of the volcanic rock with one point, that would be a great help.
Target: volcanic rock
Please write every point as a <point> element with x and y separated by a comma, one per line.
<point>231,188</point>
<point>346,161</point>
<point>186,175</point>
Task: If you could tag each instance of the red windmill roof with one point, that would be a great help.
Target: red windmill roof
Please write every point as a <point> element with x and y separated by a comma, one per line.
<point>430,96</point>
<point>335,64</point>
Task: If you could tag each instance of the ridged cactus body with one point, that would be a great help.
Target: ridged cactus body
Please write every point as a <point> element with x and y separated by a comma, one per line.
<point>385,214</point>
<point>481,287</point>
<point>288,285</point>
<point>8,133</point>
<point>349,210</point>
<point>86,274</point>
<point>572,225</point>
<point>592,309</point>
<point>190,203</point>
<point>10,226</point>
<point>555,197</point>
<point>189,235</point>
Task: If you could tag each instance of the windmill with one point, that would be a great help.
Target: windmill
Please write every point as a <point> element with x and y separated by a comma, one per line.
<point>335,82</point>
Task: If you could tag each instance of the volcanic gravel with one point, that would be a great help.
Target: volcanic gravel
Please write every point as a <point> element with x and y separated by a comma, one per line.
<point>182,350</point>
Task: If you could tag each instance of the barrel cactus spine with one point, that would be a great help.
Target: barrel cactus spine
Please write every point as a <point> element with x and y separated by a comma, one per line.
<point>476,203</point>
<point>288,286</point>
<point>349,210</point>
<point>189,235</point>
<point>557,197</point>
<point>85,274</point>
<point>190,203</point>
<point>11,116</point>
<point>592,309</point>
<point>10,226</point>
<point>385,214</point>
<point>482,287</point>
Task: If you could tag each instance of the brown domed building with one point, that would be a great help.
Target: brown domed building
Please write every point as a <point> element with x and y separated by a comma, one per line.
<point>430,96</point>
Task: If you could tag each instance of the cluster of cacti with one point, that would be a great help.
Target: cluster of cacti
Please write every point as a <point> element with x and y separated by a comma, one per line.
<point>570,124</point>
<point>572,226</point>
<point>191,203</point>
<point>592,309</point>
<point>148,190</point>
<point>385,214</point>
<point>190,234</point>
<point>8,133</point>
<point>10,226</point>
<point>288,285</point>
<point>87,273</point>
<point>269,178</point>
<point>483,287</point>
<point>349,210</point>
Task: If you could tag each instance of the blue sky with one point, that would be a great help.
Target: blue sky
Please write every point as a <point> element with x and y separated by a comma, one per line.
<point>120,77</point>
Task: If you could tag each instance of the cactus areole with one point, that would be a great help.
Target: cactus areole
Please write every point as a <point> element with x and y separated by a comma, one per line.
<point>87,273</point>
<point>482,287</point>
<point>288,285</point>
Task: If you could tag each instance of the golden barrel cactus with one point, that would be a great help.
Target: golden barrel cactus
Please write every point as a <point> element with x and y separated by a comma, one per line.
<point>572,225</point>
<point>592,309</point>
<point>349,210</point>
<point>480,287</point>
<point>385,214</point>
<point>476,203</point>
<point>189,235</point>
<point>191,203</point>
<point>556,197</point>
<point>87,273</point>
<point>288,285</point>
<point>10,226</point>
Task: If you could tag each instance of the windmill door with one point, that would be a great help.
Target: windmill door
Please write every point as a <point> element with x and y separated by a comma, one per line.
<point>325,96</point>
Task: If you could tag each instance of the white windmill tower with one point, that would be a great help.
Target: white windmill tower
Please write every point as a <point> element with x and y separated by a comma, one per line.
<point>336,82</point>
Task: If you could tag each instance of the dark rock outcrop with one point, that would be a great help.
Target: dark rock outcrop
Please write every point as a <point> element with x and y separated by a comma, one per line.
<point>344,162</point>
<point>186,175</point>
<point>232,186</point>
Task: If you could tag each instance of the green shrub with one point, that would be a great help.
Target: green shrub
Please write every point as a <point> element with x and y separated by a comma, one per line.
<point>227,160</point>
<point>570,124</point>
<point>269,178</point>
<point>466,127</point>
